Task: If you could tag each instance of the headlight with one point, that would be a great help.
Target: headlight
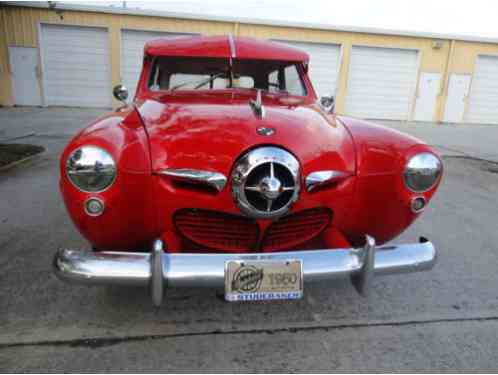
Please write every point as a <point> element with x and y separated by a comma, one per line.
<point>91,169</point>
<point>422,172</point>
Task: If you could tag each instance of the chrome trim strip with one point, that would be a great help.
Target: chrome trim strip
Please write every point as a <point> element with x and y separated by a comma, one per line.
<point>102,268</point>
<point>320,178</point>
<point>214,179</point>
<point>208,270</point>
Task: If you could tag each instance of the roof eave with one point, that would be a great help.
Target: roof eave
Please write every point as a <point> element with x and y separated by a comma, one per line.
<point>247,20</point>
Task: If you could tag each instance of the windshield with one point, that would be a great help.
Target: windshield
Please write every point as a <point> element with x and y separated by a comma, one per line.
<point>191,73</point>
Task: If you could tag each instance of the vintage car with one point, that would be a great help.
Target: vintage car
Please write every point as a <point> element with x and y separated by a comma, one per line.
<point>228,172</point>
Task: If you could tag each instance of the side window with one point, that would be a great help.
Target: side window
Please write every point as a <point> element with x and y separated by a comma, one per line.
<point>293,82</point>
<point>245,82</point>
<point>183,79</point>
<point>191,81</point>
<point>286,79</point>
<point>273,83</point>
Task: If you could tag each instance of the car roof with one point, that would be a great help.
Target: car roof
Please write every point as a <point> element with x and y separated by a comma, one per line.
<point>224,46</point>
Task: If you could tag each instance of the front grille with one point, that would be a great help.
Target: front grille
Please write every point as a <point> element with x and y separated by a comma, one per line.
<point>296,229</point>
<point>211,230</point>
<point>216,230</point>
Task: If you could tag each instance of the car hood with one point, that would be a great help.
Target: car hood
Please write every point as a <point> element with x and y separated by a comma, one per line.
<point>211,136</point>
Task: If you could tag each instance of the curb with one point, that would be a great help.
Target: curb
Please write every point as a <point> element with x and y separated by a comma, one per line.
<point>21,161</point>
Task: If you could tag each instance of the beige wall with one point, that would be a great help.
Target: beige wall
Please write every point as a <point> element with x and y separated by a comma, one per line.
<point>431,60</point>
<point>19,27</point>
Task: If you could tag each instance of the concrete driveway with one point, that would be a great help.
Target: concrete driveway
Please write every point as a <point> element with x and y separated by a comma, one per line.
<point>455,140</point>
<point>445,319</point>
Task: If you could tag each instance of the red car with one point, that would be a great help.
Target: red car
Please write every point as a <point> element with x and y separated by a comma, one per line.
<point>228,172</point>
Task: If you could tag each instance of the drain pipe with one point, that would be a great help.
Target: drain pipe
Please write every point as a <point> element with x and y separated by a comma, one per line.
<point>444,85</point>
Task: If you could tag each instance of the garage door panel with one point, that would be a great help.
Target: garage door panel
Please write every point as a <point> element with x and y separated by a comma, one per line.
<point>483,97</point>
<point>73,80</point>
<point>79,73</point>
<point>373,89</point>
<point>393,70</point>
<point>77,57</point>
<point>81,50</point>
<point>379,88</point>
<point>75,41</point>
<point>67,86</point>
<point>132,51</point>
<point>76,65</point>
<point>381,82</point>
<point>54,41</point>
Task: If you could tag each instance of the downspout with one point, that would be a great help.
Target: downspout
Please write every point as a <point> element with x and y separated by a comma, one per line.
<point>445,83</point>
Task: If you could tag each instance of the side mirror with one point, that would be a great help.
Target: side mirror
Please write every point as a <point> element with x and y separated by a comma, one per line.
<point>120,93</point>
<point>328,103</point>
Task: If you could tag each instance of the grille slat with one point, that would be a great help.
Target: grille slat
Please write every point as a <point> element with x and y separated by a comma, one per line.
<point>231,233</point>
<point>211,229</point>
<point>216,230</point>
<point>290,227</point>
<point>296,229</point>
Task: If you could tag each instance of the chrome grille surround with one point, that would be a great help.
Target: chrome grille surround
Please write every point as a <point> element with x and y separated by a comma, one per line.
<point>266,182</point>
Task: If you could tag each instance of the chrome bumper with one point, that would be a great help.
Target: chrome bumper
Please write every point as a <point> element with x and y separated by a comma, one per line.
<point>160,270</point>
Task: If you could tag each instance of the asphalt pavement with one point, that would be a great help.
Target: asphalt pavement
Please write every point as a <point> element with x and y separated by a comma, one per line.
<point>445,319</point>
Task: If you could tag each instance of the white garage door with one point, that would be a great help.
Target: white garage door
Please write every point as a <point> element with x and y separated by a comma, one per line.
<point>483,98</point>
<point>381,83</point>
<point>324,65</point>
<point>132,53</point>
<point>76,66</point>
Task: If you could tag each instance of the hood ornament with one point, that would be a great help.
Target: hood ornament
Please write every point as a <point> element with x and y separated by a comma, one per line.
<point>269,187</point>
<point>257,105</point>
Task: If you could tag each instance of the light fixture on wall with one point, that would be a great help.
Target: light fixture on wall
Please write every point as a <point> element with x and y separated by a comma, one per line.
<point>52,5</point>
<point>437,44</point>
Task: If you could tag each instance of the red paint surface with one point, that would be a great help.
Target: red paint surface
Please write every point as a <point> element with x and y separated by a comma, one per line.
<point>219,46</point>
<point>210,131</point>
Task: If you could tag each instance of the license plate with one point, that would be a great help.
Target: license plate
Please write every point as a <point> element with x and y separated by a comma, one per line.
<point>263,280</point>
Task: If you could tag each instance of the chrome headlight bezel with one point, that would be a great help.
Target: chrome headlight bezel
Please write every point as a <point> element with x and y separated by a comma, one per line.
<point>91,169</point>
<point>422,172</point>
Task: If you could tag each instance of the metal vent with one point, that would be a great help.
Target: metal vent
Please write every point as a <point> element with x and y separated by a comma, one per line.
<point>265,182</point>
<point>295,229</point>
<point>217,230</point>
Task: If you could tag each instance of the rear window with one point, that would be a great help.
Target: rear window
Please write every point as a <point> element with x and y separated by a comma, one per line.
<point>188,73</point>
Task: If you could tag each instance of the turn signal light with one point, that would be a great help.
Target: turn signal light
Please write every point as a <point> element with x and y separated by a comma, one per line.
<point>94,207</point>
<point>418,204</point>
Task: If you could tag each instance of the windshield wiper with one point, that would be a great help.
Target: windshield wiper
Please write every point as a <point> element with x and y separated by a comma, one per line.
<point>201,83</point>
